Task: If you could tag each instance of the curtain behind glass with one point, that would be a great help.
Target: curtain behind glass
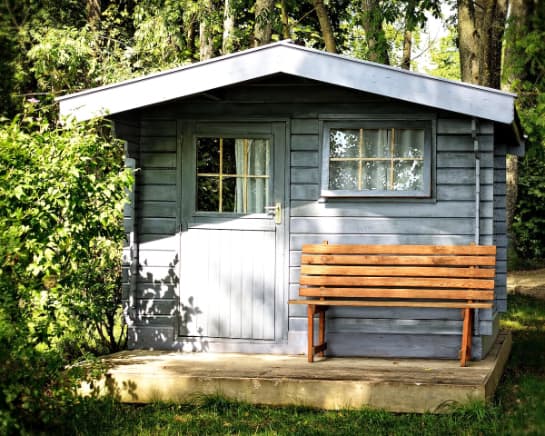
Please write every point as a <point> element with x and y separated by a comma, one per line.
<point>252,160</point>
<point>408,174</point>
<point>376,144</point>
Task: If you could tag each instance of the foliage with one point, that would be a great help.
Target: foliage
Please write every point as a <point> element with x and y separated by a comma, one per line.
<point>528,70</point>
<point>529,220</point>
<point>61,206</point>
<point>394,17</point>
<point>445,57</point>
<point>63,59</point>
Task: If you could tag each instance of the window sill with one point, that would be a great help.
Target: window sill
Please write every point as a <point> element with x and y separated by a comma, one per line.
<point>359,199</point>
<point>374,194</point>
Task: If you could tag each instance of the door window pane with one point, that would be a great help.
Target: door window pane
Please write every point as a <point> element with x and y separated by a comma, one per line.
<point>229,158</point>
<point>235,172</point>
<point>207,194</point>
<point>228,192</point>
<point>208,157</point>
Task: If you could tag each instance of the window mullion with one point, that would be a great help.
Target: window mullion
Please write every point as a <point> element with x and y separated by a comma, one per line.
<point>392,142</point>
<point>360,162</point>
<point>245,177</point>
<point>220,177</point>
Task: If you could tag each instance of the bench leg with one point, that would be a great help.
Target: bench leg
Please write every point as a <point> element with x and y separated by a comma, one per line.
<point>321,331</point>
<point>310,320</point>
<point>319,348</point>
<point>465,352</point>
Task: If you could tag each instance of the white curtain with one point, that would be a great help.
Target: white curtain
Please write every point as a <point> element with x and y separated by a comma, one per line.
<point>376,144</point>
<point>408,175</point>
<point>252,160</point>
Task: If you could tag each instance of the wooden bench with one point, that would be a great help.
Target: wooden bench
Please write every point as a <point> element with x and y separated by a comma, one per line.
<point>427,276</point>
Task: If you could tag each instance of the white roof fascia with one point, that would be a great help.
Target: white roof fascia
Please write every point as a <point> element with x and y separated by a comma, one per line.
<point>286,57</point>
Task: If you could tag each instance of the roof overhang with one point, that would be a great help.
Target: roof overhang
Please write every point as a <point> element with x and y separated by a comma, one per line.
<point>288,58</point>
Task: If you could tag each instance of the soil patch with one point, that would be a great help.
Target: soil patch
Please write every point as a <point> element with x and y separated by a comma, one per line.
<point>527,282</point>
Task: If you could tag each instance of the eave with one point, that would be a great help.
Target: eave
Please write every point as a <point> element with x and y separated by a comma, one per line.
<point>288,58</point>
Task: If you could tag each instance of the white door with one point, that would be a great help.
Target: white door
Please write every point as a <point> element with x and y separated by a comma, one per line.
<point>232,231</point>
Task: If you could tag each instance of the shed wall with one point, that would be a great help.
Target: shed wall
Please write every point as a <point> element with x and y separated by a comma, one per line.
<point>500,225</point>
<point>446,218</point>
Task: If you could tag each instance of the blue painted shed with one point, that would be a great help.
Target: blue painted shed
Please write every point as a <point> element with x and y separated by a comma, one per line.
<point>244,158</point>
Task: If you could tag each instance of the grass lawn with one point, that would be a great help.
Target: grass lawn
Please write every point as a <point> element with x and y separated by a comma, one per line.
<point>519,406</point>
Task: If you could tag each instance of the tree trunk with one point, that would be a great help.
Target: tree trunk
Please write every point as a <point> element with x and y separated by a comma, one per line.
<point>285,20</point>
<point>325,26</point>
<point>480,28</point>
<point>407,47</point>
<point>206,38</point>
<point>263,22</point>
<point>408,34</point>
<point>374,32</point>
<point>511,189</point>
<point>191,36</point>
<point>228,42</point>
<point>93,13</point>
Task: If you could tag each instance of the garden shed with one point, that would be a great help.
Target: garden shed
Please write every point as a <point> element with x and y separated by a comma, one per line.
<point>242,159</point>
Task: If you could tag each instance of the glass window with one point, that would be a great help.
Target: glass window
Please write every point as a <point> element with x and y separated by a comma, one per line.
<point>233,174</point>
<point>389,161</point>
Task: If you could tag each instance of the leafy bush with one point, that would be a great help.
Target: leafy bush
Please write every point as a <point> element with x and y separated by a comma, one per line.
<point>525,72</point>
<point>62,192</point>
<point>529,220</point>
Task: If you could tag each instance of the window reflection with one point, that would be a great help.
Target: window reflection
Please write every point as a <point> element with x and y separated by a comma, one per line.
<point>376,159</point>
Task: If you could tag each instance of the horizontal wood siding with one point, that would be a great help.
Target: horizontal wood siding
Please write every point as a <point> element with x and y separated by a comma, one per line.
<point>500,225</point>
<point>129,130</point>
<point>157,287</point>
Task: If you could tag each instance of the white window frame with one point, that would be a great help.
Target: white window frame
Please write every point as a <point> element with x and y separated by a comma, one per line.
<point>426,192</point>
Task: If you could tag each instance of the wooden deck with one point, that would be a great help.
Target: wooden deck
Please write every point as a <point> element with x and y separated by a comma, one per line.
<point>397,385</point>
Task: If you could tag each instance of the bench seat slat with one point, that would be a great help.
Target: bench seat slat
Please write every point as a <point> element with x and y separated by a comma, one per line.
<point>397,271</point>
<point>361,259</point>
<point>400,249</point>
<point>391,303</point>
<point>444,294</point>
<point>356,281</point>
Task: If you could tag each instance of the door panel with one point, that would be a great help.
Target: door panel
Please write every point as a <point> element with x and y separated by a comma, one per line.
<point>230,245</point>
<point>231,275</point>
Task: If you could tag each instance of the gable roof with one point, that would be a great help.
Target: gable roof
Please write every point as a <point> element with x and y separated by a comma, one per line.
<point>288,58</point>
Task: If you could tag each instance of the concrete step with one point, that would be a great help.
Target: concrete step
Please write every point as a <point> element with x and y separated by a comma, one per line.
<point>397,385</point>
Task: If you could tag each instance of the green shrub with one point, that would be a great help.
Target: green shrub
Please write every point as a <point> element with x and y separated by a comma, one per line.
<point>529,220</point>
<point>62,192</point>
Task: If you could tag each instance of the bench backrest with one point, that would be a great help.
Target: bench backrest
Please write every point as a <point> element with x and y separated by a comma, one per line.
<point>398,271</point>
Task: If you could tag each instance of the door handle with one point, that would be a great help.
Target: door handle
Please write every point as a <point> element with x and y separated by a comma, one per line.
<point>275,211</point>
